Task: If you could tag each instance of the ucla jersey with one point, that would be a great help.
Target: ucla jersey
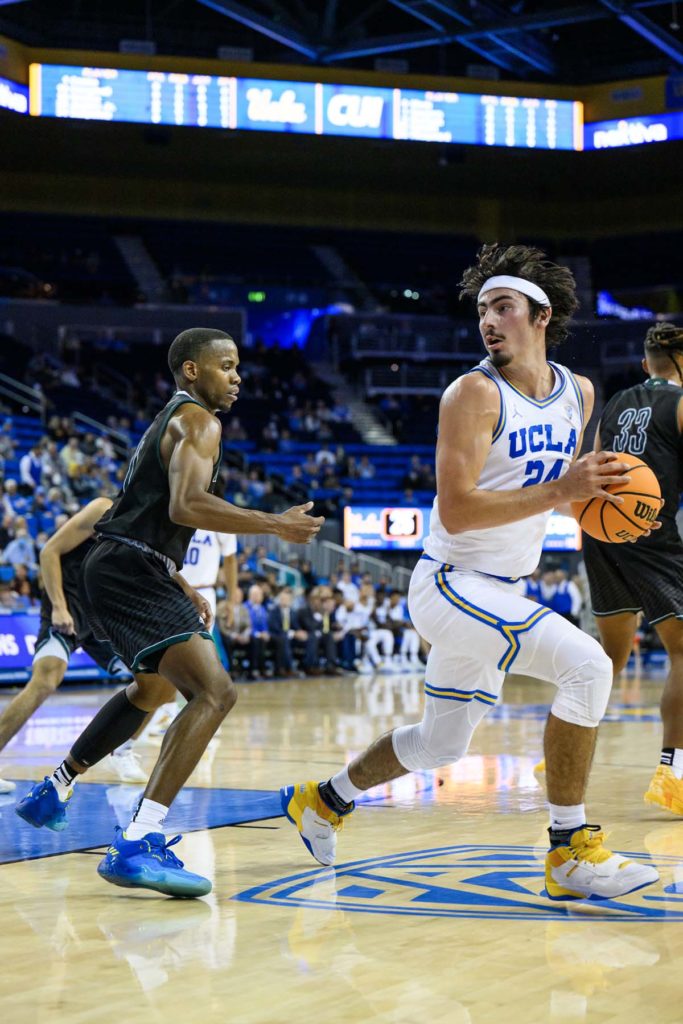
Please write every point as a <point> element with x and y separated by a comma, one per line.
<point>203,557</point>
<point>534,441</point>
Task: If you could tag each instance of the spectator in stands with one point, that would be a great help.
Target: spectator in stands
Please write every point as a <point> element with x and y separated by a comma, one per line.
<point>405,636</point>
<point>55,503</point>
<point>317,624</point>
<point>346,497</point>
<point>366,470</point>
<point>6,530</point>
<point>282,632</point>
<point>60,428</point>
<point>309,466</point>
<point>6,441</point>
<point>352,618</point>
<point>548,586</point>
<point>14,504</point>
<point>348,588</point>
<point>567,600</point>
<point>328,479</point>
<point>297,485</point>
<point>325,457</point>
<point>532,586</point>
<point>285,444</point>
<point>25,584</point>
<point>87,444</point>
<point>260,635</point>
<point>379,635</point>
<point>72,458</point>
<point>52,466</point>
<point>43,518</point>
<point>234,624</point>
<point>233,430</point>
<point>31,469</point>
<point>311,421</point>
<point>419,475</point>
<point>270,436</point>
<point>21,550</point>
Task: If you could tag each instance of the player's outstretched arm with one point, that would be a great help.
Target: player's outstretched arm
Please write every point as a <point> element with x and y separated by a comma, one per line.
<point>194,436</point>
<point>78,529</point>
<point>469,412</point>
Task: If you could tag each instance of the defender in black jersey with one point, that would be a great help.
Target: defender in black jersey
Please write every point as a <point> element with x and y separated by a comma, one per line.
<point>647,576</point>
<point>133,599</point>
<point>64,626</point>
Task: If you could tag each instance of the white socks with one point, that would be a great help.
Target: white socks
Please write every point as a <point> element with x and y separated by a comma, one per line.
<point>149,817</point>
<point>673,757</point>
<point>562,818</point>
<point>343,787</point>
<point>63,779</point>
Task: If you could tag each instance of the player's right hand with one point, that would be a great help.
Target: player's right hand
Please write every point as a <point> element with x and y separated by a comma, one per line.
<point>62,621</point>
<point>297,526</point>
<point>589,476</point>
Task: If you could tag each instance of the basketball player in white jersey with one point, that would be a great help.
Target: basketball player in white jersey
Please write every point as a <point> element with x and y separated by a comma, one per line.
<point>509,434</point>
<point>211,559</point>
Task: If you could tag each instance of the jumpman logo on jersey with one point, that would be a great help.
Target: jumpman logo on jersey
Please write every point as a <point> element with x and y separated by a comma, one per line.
<point>515,412</point>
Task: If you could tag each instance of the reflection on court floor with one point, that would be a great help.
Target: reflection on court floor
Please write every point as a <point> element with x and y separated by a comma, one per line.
<point>434,913</point>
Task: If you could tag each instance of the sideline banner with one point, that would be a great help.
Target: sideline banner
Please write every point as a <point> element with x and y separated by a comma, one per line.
<point>18,632</point>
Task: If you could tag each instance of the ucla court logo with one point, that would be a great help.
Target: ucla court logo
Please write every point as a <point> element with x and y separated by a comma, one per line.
<point>468,881</point>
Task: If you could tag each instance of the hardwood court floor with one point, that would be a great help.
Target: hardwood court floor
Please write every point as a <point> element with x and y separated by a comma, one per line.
<point>434,914</point>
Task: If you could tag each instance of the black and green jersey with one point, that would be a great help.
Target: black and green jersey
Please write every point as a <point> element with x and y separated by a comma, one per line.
<point>643,421</point>
<point>140,512</point>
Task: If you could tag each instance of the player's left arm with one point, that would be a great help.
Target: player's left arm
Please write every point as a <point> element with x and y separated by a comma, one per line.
<point>201,604</point>
<point>68,537</point>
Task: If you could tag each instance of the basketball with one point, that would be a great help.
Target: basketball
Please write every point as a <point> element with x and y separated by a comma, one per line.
<point>616,524</point>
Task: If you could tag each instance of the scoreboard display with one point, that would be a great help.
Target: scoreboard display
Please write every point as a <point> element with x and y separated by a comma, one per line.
<point>382,528</point>
<point>309,108</point>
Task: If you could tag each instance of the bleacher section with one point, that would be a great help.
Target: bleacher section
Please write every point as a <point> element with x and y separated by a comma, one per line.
<point>65,258</point>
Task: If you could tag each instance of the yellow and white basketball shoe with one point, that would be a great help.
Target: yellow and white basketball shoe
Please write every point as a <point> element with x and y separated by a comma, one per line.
<point>665,790</point>
<point>584,869</point>
<point>317,823</point>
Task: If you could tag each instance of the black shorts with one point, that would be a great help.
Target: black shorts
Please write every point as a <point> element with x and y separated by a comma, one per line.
<point>101,651</point>
<point>629,578</point>
<point>133,602</point>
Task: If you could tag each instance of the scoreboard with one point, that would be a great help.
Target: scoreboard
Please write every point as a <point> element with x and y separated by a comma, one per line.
<point>309,108</point>
<point>382,528</point>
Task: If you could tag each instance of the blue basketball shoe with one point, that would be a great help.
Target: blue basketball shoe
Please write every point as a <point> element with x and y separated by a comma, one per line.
<point>42,807</point>
<point>149,864</point>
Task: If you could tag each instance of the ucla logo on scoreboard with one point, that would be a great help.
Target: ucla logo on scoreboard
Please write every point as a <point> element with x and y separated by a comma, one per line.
<point>467,881</point>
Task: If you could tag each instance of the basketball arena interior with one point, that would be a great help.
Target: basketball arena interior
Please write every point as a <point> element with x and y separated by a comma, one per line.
<point>312,180</point>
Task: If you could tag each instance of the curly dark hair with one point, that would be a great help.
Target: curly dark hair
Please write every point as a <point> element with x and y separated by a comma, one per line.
<point>525,261</point>
<point>661,342</point>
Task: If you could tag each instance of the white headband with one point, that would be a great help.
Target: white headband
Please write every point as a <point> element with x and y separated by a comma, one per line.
<point>520,284</point>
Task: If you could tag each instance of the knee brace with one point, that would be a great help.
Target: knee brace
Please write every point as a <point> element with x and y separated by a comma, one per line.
<point>584,689</point>
<point>442,737</point>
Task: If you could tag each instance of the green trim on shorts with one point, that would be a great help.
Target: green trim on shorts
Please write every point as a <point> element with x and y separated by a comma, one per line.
<point>52,632</point>
<point>170,641</point>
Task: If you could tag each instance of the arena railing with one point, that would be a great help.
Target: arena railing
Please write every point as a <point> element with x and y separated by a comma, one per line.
<point>23,395</point>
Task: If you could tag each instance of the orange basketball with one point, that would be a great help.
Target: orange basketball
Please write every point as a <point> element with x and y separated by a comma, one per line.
<point>619,523</point>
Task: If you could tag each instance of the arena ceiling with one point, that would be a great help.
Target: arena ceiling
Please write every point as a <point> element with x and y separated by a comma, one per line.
<point>572,41</point>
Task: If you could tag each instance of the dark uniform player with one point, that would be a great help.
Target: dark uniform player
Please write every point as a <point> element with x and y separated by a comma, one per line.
<point>625,579</point>
<point>63,623</point>
<point>64,626</point>
<point>133,599</point>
